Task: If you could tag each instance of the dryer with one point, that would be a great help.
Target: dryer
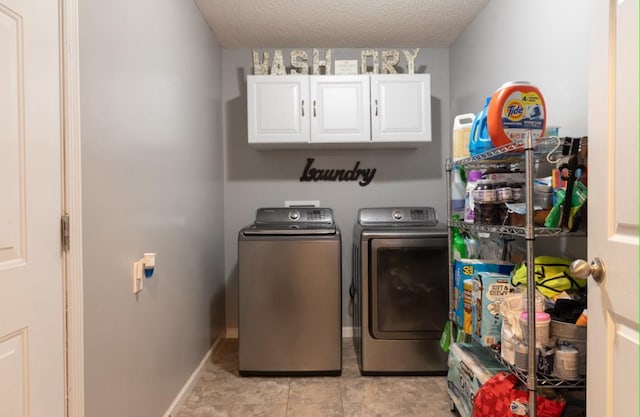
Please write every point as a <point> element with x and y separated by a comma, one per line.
<point>400,290</point>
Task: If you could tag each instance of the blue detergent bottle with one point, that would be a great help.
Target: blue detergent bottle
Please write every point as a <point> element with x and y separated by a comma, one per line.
<point>479,139</point>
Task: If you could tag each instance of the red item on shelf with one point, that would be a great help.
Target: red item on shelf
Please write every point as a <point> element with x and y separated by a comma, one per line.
<point>498,397</point>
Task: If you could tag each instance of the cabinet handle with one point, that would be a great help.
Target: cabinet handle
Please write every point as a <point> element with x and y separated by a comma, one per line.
<point>314,108</point>
<point>376,100</point>
<point>302,108</point>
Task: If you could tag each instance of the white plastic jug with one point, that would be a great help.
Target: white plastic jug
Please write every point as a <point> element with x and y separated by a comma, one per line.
<point>461,131</point>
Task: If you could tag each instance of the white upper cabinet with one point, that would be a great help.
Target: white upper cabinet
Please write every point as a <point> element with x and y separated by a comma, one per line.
<point>340,109</point>
<point>277,109</point>
<point>386,110</point>
<point>401,107</point>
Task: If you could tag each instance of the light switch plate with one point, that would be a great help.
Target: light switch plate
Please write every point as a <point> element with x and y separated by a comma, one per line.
<point>138,281</point>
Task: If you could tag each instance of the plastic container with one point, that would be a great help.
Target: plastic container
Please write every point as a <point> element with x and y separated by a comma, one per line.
<point>479,139</point>
<point>517,192</point>
<point>542,198</point>
<point>503,192</point>
<point>461,131</point>
<point>485,192</point>
<point>542,327</point>
<point>515,108</point>
<point>489,213</point>
<point>473,247</point>
<point>569,333</point>
<point>521,355</point>
<point>565,362</point>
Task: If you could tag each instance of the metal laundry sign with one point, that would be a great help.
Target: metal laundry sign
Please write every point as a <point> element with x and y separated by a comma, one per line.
<point>361,175</point>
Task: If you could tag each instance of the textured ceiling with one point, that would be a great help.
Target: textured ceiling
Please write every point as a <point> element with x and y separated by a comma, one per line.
<point>338,23</point>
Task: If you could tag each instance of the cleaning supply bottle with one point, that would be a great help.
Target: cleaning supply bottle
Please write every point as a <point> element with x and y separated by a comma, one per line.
<point>469,203</point>
<point>459,248</point>
<point>457,192</point>
<point>516,108</point>
<point>461,132</point>
<point>479,139</point>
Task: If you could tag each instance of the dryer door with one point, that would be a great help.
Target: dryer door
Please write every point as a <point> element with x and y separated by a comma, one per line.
<point>409,288</point>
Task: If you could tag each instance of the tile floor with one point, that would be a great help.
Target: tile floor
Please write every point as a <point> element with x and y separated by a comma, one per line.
<point>221,392</point>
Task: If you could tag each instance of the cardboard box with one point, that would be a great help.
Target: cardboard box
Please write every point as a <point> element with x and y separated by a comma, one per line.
<point>464,269</point>
<point>489,289</point>
<point>470,366</point>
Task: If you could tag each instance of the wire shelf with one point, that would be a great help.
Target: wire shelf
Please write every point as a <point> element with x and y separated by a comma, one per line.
<point>511,153</point>
<point>542,379</point>
<point>505,229</point>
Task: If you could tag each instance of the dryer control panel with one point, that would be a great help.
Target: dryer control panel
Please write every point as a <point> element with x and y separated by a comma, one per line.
<point>410,216</point>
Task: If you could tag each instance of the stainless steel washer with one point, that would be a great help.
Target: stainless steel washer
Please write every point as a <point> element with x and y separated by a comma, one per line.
<point>400,291</point>
<point>289,269</point>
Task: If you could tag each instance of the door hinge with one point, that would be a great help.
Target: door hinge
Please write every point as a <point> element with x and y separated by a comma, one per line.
<point>66,244</point>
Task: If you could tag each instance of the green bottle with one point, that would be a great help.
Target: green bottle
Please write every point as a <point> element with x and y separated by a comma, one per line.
<point>459,248</point>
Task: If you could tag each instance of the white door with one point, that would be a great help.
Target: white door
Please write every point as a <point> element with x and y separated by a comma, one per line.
<point>32,376</point>
<point>277,109</point>
<point>340,109</point>
<point>612,347</point>
<point>401,108</point>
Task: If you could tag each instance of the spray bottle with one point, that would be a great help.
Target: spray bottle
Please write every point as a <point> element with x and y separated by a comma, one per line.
<point>459,248</point>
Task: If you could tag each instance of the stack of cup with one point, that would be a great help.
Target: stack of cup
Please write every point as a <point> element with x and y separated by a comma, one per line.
<point>542,327</point>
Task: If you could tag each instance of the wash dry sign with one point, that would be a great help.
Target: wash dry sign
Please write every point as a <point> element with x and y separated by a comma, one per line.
<point>369,62</point>
<point>363,176</point>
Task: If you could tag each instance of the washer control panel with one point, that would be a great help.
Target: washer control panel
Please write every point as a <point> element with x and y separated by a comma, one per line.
<point>398,215</point>
<point>280,215</point>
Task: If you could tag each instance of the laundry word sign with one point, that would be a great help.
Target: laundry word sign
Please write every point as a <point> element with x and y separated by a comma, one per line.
<point>363,176</point>
<point>370,63</point>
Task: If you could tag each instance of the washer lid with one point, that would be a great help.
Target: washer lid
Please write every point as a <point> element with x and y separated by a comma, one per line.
<point>398,216</point>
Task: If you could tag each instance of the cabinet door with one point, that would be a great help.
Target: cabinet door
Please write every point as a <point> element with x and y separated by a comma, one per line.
<point>277,108</point>
<point>401,108</point>
<point>340,109</point>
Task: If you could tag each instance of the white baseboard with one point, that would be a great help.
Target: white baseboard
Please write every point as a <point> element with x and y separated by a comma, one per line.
<point>191,382</point>
<point>232,332</point>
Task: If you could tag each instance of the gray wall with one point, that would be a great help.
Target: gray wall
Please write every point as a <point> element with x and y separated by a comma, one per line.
<point>152,160</point>
<point>260,178</point>
<point>543,42</point>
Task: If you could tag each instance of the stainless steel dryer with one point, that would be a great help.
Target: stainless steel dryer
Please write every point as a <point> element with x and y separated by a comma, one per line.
<point>400,291</point>
<point>290,281</point>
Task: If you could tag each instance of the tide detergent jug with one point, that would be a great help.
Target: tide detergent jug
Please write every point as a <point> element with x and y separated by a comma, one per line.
<point>516,108</point>
<point>479,139</point>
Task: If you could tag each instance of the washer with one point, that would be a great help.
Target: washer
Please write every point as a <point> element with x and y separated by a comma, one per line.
<point>400,290</point>
<point>289,272</point>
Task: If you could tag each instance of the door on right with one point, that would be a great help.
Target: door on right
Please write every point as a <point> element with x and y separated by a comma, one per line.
<point>612,369</point>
